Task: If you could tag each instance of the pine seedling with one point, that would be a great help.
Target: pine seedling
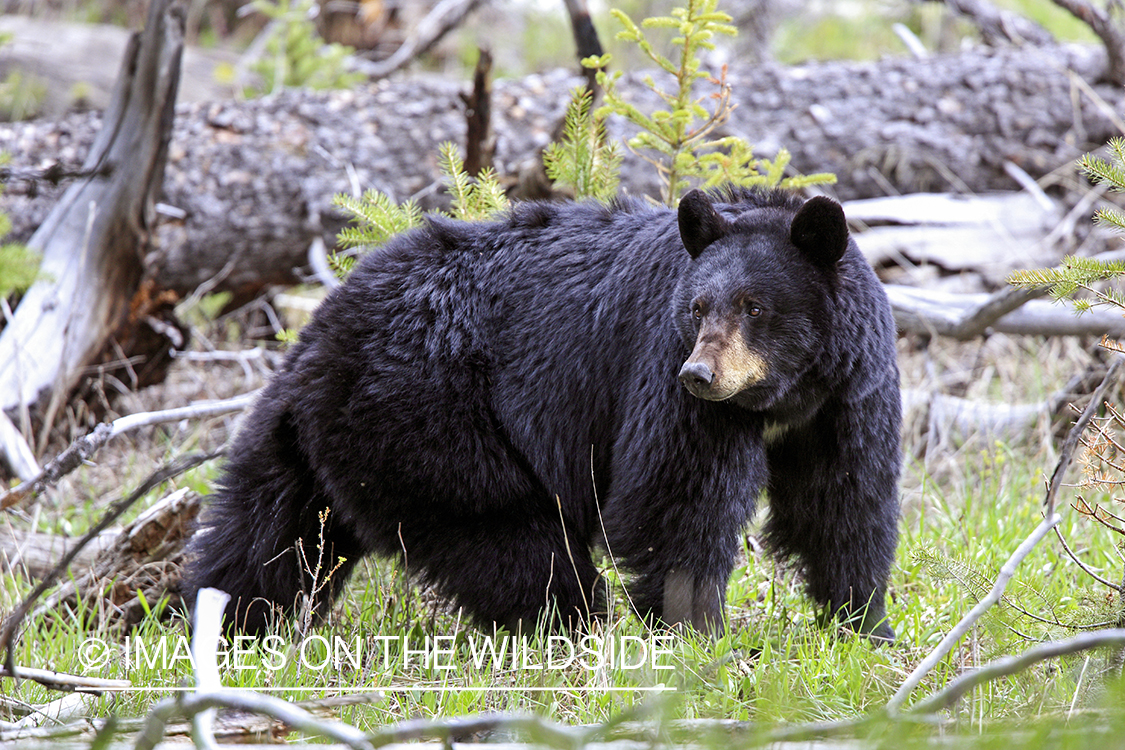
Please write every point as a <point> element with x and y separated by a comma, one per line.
<point>472,199</point>
<point>376,218</point>
<point>584,160</point>
<point>19,266</point>
<point>295,55</point>
<point>678,140</point>
<point>1076,273</point>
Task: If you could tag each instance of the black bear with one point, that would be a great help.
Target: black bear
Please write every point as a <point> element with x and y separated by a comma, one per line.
<point>491,401</point>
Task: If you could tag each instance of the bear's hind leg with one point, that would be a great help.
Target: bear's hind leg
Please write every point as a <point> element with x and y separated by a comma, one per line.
<point>508,568</point>
<point>261,537</point>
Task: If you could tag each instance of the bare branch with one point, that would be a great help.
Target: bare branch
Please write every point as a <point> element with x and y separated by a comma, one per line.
<point>84,448</point>
<point>1066,453</point>
<point>1009,665</point>
<point>1107,28</point>
<point>1092,574</point>
<point>445,16</point>
<point>1052,519</point>
<point>204,647</point>
<point>64,681</point>
<point>52,175</point>
<point>999,26</point>
<point>967,622</point>
<point>966,316</point>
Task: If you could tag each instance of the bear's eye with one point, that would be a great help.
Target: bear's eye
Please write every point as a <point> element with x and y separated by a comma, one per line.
<point>697,311</point>
<point>752,310</point>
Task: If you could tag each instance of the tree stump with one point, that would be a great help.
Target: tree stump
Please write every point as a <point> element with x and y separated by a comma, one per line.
<point>94,240</point>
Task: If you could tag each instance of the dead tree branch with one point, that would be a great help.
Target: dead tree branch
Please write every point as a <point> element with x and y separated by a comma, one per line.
<point>1010,665</point>
<point>64,681</point>
<point>1066,452</point>
<point>586,41</point>
<point>958,632</point>
<point>966,316</point>
<point>84,448</point>
<point>479,143</point>
<point>1052,519</point>
<point>445,16</point>
<point>95,237</point>
<point>999,26</point>
<point>1108,27</point>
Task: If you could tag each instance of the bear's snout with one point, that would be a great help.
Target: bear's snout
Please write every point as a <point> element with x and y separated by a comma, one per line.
<point>721,364</point>
<point>696,377</point>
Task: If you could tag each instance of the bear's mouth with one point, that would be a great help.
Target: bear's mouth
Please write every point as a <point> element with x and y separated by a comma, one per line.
<point>709,392</point>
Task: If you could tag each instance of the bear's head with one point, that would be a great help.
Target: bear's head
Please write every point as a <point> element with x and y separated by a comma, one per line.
<point>755,303</point>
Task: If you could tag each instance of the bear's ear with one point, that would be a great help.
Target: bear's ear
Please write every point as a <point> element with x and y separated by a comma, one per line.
<point>820,230</point>
<point>700,223</point>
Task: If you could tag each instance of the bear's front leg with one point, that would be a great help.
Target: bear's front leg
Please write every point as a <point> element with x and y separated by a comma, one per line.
<point>682,577</point>
<point>695,601</point>
<point>833,494</point>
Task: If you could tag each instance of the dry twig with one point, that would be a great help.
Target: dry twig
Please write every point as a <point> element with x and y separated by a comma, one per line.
<point>84,448</point>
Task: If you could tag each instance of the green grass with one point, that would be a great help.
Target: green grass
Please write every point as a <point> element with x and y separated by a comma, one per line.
<point>776,666</point>
<point>862,30</point>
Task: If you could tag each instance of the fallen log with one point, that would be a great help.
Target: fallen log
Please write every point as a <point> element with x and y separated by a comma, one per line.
<point>34,553</point>
<point>137,567</point>
<point>931,312</point>
<point>989,235</point>
<point>250,183</point>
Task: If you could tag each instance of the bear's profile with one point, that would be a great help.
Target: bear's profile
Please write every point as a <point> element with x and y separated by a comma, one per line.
<point>491,401</point>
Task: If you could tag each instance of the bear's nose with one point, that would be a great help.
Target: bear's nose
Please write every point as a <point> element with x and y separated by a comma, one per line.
<point>696,375</point>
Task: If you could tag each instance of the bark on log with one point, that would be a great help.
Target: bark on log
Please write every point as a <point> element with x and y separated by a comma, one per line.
<point>93,240</point>
<point>254,179</point>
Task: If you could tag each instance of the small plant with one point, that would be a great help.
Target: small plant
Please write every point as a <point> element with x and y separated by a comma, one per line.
<point>473,199</point>
<point>377,218</point>
<point>584,159</point>
<point>295,55</point>
<point>21,95</point>
<point>1103,458</point>
<point>1075,273</point>
<point>19,266</point>
<point>320,579</point>
<point>678,140</point>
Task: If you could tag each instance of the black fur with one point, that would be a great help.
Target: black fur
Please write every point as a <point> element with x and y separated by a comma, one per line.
<point>470,379</point>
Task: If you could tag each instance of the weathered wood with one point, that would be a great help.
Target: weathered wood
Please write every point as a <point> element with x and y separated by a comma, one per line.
<point>94,238</point>
<point>445,16</point>
<point>15,450</point>
<point>254,179</point>
<point>479,143</point>
<point>143,559</point>
<point>35,553</point>
<point>998,26</point>
<point>1106,23</point>
<point>586,41</point>
<point>991,235</point>
<point>932,312</point>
